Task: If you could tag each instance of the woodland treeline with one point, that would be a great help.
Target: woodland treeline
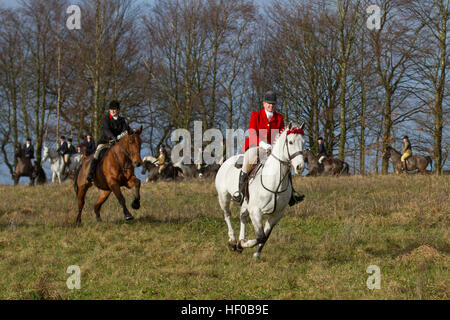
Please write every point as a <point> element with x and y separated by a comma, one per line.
<point>173,62</point>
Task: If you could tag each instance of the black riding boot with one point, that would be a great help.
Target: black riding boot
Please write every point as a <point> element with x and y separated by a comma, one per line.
<point>238,197</point>
<point>296,198</point>
<point>92,168</point>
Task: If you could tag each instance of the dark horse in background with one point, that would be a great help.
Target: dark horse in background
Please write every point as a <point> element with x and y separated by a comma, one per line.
<point>415,162</point>
<point>329,166</point>
<point>114,170</point>
<point>170,172</point>
<point>25,168</point>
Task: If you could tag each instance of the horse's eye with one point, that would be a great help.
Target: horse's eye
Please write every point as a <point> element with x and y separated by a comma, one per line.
<point>290,142</point>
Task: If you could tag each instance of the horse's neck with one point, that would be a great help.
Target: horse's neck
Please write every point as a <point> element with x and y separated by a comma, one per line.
<point>120,150</point>
<point>273,170</point>
<point>395,154</point>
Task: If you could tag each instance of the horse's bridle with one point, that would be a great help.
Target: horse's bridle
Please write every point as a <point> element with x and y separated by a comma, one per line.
<point>127,154</point>
<point>282,162</point>
<point>291,157</point>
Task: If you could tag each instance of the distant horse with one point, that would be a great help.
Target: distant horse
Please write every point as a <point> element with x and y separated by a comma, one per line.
<point>415,162</point>
<point>57,163</point>
<point>269,190</point>
<point>24,167</point>
<point>209,171</point>
<point>152,168</point>
<point>329,166</point>
<point>114,170</point>
<point>169,172</point>
<point>189,170</point>
<point>39,174</point>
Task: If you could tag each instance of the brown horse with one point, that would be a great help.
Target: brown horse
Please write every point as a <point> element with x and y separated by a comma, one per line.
<point>415,162</point>
<point>329,166</point>
<point>114,170</point>
<point>24,167</point>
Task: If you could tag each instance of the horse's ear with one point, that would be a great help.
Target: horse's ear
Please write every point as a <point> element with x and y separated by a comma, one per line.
<point>290,126</point>
<point>302,126</point>
<point>139,131</point>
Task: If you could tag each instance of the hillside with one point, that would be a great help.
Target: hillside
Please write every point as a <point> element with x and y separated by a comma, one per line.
<point>176,246</point>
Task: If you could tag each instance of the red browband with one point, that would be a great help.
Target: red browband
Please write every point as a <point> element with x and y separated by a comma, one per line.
<point>296,131</point>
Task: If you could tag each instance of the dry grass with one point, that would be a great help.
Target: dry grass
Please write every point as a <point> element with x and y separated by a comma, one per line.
<point>176,246</point>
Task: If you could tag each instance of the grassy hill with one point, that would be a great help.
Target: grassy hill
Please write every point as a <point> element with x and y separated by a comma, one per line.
<point>176,246</point>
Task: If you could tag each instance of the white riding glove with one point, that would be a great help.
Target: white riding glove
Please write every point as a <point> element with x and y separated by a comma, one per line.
<point>265,145</point>
<point>120,136</point>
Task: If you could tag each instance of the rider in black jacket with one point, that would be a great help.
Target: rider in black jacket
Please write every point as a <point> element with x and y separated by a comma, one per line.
<point>322,154</point>
<point>28,150</point>
<point>114,128</point>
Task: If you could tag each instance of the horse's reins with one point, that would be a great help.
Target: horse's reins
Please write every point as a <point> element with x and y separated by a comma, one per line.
<point>286,163</point>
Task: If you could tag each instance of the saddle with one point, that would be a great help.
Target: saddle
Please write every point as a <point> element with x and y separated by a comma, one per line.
<point>252,171</point>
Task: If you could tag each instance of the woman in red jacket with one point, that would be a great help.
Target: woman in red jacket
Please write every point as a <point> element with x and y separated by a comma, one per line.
<point>264,126</point>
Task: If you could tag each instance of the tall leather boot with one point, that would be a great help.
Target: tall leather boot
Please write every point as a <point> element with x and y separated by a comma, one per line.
<point>295,196</point>
<point>238,197</point>
<point>92,168</point>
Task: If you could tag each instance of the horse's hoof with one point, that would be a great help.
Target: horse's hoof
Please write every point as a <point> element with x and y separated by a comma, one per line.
<point>239,247</point>
<point>129,217</point>
<point>256,256</point>
<point>136,204</point>
<point>232,245</point>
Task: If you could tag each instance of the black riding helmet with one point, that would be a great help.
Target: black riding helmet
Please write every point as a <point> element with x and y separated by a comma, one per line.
<point>114,105</point>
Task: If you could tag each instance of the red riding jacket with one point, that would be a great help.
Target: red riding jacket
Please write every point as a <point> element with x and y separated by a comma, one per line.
<point>261,129</point>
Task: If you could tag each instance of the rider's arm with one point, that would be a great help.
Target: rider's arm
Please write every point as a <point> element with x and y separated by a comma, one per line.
<point>405,147</point>
<point>253,130</point>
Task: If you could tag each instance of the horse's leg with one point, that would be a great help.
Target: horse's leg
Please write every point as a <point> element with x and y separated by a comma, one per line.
<point>82,190</point>
<point>104,194</point>
<point>115,187</point>
<point>257,221</point>
<point>271,222</point>
<point>224,202</point>
<point>244,219</point>
<point>136,183</point>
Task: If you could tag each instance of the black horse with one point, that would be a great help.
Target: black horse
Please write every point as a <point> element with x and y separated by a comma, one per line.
<point>170,172</point>
<point>25,168</point>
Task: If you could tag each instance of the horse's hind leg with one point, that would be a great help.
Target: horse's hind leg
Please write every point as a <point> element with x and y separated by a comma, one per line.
<point>82,190</point>
<point>224,202</point>
<point>104,194</point>
<point>116,190</point>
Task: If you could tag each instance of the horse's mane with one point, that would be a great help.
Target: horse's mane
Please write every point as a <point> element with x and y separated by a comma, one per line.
<point>287,132</point>
<point>391,148</point>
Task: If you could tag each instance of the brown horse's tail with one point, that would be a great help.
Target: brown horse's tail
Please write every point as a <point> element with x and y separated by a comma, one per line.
<point>75,179</point>
<point>345,168</point>
<point>430,161</point>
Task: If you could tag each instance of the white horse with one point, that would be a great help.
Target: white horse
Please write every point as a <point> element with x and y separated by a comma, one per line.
<point>269,190</point>
<point>151,159</point>
<point>57,163</point>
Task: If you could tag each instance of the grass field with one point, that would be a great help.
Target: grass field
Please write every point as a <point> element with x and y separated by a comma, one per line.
<point>176,246</point>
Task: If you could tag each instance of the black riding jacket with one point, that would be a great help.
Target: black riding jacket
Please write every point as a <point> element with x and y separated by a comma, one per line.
<point>90,146</point>
<point>322,151</point>
<point>63,149</point>
<point>29,152</point>
<point>112,128</point>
